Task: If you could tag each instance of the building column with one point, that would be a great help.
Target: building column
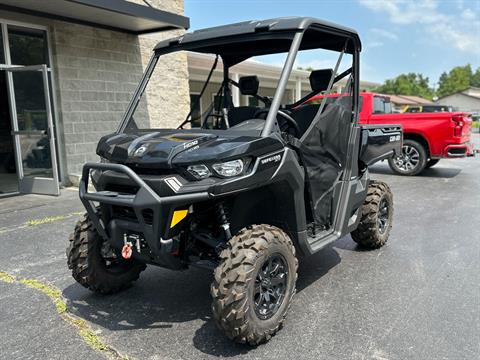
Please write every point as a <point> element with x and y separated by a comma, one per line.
<point>235,90</point>
<point>298,90</point>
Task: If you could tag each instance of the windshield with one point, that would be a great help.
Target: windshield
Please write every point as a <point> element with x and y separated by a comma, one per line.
<point>202,98</point>
<point>209,95</point>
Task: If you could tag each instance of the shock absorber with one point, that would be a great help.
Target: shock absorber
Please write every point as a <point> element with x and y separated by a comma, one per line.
<point>222,216</point>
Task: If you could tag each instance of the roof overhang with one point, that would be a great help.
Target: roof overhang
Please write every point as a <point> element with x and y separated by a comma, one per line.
<point>118,15</point>
<point>240,41</point>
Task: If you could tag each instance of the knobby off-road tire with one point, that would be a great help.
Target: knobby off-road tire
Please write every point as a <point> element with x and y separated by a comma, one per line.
<point>236,285</point>
<point>412,161</point>
<point>376,217</point>
<point>431,162</point>
<point>89,267</point>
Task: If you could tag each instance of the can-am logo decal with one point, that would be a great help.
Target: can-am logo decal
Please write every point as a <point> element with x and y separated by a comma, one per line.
<point>140,151</point>
<point>394,138</point>
<point>271,159</point>
<point>190,144</point>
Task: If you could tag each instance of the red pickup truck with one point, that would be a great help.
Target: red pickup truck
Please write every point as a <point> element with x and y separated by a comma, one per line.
<point>428,137</point>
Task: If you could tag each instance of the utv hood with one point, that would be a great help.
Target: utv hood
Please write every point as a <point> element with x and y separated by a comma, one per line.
<point>165,148</point>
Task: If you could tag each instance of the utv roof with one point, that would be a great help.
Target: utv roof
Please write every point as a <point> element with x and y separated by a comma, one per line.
<point>242,40</point>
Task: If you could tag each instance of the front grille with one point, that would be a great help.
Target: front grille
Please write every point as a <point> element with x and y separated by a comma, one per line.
<point>123,213</point>
<point>128,214</point>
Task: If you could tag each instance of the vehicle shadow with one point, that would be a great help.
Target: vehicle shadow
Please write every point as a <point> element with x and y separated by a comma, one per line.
<point>177,297</point>
<point>208,338</point>
<point>440,172</point>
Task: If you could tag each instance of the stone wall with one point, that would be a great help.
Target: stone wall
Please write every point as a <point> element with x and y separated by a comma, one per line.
<point>96,72</point>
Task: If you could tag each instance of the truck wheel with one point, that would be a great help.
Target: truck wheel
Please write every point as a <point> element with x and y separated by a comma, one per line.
<point>412,161</point>
<point>376,217</point>
<point>254,284</point>
<point>95,265</point>
<point>431,162</point>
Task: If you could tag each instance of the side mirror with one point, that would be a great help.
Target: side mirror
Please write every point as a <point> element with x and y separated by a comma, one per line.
<point>319,79</point>
<point>248,85</point>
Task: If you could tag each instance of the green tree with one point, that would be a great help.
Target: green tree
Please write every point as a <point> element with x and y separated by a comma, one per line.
<point>407,84</point>
<point>457,79</point>
<point>475,81</point>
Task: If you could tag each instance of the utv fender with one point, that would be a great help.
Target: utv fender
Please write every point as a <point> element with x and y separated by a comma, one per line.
<point>262,205</point>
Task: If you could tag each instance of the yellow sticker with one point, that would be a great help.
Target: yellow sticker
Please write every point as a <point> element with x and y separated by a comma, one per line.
<point>178,215</point>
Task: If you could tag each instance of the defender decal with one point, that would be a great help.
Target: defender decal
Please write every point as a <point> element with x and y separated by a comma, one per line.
<point>271,160</point>
<point>274,159</point>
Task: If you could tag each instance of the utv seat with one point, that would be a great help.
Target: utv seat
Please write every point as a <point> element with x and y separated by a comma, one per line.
<point>248,85</point>
<point>239,114</point>
<point>304,114</point>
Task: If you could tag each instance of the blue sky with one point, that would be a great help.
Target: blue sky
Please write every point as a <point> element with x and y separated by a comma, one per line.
<point>398,36</point>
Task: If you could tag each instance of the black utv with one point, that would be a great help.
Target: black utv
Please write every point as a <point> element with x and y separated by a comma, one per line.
<point>245,186</point>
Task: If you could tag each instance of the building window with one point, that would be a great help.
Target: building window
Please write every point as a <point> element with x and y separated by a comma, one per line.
<point>196,109</point>
<point>217,102</point>
<point>28,46</point>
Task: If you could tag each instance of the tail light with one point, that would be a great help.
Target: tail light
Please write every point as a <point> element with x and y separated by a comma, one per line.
<point>458,123</point>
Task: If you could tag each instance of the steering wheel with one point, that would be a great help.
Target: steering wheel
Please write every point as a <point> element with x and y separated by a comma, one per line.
<point>291,121</point>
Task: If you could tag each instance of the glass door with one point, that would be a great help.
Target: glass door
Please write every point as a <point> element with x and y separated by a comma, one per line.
<point>33,137</point>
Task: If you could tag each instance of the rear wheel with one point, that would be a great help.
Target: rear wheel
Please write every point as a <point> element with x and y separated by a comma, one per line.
<point>254,284</point>
<point>376,217</point>
<point>431,162</point>
<point>412,161</point>
<point>95,265</point>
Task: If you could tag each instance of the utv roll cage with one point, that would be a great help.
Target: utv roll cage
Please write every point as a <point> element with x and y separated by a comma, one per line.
<point>238,42</point>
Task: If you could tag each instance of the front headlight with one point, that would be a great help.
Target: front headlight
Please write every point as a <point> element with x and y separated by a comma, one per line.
<point>199,171</point>
<point>229,168</point>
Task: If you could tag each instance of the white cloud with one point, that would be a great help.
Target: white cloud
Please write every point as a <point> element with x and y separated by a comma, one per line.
<point>381,33</point>
<point>468,14</point>
<point>439,26</point>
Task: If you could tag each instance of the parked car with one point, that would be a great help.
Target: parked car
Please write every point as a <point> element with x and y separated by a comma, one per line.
<point>428,137</point>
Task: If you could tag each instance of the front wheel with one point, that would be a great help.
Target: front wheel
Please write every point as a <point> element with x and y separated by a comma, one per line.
<point>95,265</point>
<point>254,284</point>
<point>412,161</point>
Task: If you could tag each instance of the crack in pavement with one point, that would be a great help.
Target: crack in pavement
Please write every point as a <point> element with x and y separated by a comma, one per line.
<point>88,335</point>
<point>37,222</point>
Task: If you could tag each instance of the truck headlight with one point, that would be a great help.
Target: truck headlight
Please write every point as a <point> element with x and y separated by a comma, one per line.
<point>229,168</point>
<point>199,171</point>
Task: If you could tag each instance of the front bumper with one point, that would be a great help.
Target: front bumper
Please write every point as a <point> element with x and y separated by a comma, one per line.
<point>154,230</point>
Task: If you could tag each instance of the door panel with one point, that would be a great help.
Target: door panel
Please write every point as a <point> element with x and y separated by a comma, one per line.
<point>8,169</point>
<point>32,120</point>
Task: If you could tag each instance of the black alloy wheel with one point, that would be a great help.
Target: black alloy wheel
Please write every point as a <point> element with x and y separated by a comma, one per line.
<point>270,286</point>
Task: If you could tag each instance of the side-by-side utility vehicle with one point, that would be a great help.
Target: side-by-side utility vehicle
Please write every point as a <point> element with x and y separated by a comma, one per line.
<point>242,190</point>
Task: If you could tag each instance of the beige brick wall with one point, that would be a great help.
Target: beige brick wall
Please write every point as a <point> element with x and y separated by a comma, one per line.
<point>96,72</point>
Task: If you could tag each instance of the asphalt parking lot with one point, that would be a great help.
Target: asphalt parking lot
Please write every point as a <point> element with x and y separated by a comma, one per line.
<point>416,298</point>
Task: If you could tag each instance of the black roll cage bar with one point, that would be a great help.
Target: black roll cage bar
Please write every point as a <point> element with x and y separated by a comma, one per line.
<point>284,77</point>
